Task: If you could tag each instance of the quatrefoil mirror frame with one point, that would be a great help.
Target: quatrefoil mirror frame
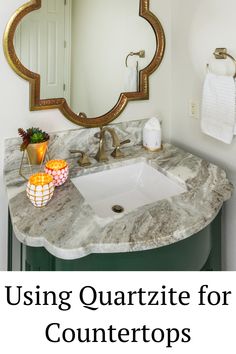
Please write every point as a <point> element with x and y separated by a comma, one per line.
<point>36,103</point>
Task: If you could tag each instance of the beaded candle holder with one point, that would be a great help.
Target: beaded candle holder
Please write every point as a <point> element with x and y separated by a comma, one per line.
<point>59,170</point>
<point>40,188</point>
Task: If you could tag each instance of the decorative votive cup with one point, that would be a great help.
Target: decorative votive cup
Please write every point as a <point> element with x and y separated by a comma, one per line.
<point>40,188</point>
<point>59,170</point>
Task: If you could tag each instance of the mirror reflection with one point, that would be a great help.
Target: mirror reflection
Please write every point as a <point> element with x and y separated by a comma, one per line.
<point>79,48</point>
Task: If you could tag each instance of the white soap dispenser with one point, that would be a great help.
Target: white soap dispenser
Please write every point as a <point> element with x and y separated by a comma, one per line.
<point>152,135</point>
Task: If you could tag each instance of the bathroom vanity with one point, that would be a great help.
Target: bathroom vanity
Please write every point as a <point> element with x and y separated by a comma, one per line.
<point>177,230</point>
<point>143,211</point>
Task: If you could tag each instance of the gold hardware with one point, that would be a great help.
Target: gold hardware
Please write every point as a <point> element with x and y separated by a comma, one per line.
<point>101,154</point>
<point>140,54</point>
<point>84,159</point>
<point>221,53</point>
<point>117,153</point>
<point>38,103</point>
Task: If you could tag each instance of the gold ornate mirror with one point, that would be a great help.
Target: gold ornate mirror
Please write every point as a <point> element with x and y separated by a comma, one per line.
<point>91,56</point>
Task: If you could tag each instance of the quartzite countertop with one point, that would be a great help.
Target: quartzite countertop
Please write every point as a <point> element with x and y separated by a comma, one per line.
<point>68,228</point>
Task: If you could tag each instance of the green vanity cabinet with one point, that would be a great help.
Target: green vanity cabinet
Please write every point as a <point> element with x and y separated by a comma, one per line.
<point>201,251</point>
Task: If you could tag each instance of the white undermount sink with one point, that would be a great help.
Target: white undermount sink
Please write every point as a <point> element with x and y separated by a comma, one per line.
<point>126,187</point>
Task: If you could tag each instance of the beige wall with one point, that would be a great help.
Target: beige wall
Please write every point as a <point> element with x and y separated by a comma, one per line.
<point>14,103</point>
<point>198,27</point>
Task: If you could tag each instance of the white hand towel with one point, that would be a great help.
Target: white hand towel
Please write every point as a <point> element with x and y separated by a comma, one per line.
<point>218,107</point>
<point>131,79</point>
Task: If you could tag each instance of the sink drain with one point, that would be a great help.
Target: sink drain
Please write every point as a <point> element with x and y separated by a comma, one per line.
<point>117,209</point>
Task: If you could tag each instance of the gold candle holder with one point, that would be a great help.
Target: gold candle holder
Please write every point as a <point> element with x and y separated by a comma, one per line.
<point>40,188</point>
<point>59,170</point>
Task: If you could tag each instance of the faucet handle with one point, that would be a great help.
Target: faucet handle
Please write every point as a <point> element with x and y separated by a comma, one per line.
<point>84,159</point>
<point>127,141</point>
<point>117,153</point>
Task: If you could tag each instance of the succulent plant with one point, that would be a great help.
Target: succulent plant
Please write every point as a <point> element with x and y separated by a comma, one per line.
<point>32,136</point>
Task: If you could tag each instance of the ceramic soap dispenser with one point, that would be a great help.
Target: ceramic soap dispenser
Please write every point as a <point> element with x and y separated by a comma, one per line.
<point>152,135</point>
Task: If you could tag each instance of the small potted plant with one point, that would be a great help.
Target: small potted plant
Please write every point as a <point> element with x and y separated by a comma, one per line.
<point>35,142</point>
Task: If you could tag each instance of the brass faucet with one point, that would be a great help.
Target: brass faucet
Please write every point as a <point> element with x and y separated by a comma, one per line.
<point>101,154</point>
<point>84,159</point>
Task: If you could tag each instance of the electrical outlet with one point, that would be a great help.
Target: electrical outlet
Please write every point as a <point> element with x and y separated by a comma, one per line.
<point>193,109</point>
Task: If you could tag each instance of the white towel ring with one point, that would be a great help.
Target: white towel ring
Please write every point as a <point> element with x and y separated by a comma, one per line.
<point>221,53</point>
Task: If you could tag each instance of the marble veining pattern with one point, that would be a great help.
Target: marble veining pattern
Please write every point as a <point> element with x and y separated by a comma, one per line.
<point>69,228</point>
